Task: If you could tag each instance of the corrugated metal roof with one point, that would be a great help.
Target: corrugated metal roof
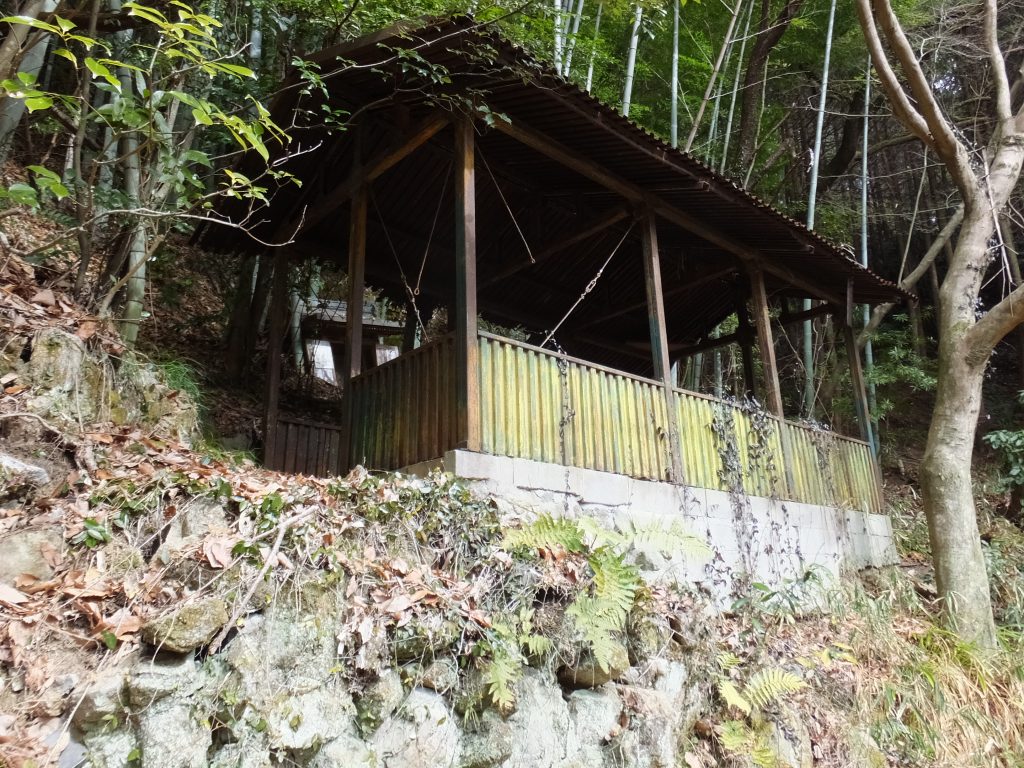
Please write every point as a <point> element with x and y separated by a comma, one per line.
<point>413,204</point>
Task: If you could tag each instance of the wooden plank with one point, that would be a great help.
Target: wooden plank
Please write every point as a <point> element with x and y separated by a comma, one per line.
<point>659,333</point>
<point>372,169</point>
<point>860,397</point>
<point>278,309</point>
<point>638,195</point>
<point>467,349</point>
<point>765,343</point>
<point>352,364</point>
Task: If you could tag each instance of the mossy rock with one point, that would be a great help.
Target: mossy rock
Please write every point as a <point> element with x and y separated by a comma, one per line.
<point>191,626</point>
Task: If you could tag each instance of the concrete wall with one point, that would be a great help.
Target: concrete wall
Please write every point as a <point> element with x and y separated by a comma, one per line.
<point>751,538</point>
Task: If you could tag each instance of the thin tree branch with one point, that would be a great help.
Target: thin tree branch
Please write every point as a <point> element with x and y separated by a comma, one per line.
<point>983,336</point>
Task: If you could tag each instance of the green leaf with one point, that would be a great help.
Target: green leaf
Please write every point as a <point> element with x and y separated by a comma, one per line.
<point>64,53</point>
<point>23,194</point>
<point>195,156</point>
<point>64,24</point>
<point>236,69</point>
<point>28,21</point>
<point>201,116</point>
<point>46,173</point>
<point>109,639</point>
<point>37,103</point>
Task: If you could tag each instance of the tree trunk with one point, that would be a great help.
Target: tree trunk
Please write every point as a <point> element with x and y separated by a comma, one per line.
<point>571,43</point>
<point>593,51</point>
<point>634,41</point>
<point>715,71</point>
<point>960,573</point>
<point>674,79</point>
<point>769,33</point>
<point>12,110</point>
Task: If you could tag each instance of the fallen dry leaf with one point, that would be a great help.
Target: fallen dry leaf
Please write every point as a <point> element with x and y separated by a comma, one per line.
<point>45,297</point>
<point>12,596</point>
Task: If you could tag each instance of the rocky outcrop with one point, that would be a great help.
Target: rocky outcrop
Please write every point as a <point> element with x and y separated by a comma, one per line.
<point>71,384</point>
<point>276,694</point>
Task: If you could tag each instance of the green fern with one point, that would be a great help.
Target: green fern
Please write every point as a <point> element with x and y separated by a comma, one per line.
<point>771,685</point>
<point>502,672</point>
<point>733,697</point>
<point>546,532</point>
<point>615,584</point>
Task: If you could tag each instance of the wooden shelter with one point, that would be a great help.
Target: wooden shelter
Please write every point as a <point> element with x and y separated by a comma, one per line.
<point>473,178</point>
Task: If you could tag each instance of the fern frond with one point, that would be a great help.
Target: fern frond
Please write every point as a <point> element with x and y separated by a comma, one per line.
<point>546,532</point>
<point>735,736</point>
<point>615,583</point>
<point>733,697</point>
<point>501,674</point>
<point>771,685</point>
<point>763,756</point>
<point>727,661</point>
<point>671,539</point>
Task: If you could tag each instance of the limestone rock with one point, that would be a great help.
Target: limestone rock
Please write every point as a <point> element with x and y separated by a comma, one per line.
<point>542,730</point>
<point>103,698</point>
<point>283,652</point>
<point>71,385</point>
<point>489,745</point>
<point>422,734</point>
<point>153,680</point>
<point>588,673</point>
<point>426,639</point>
<point>190,525</point>
<point>188,627</point>
<point>171,736</point>
<point>251,752</point>
<point>864,751</point>
<point>380,700</point>
<point>595,720</point>
<point>25,551</point>
<point>346,751</point>
<point>307,721</point>
<point>441,675</point>
<point>790,740</point>
<point>110,748</point>
<point>17,474</point>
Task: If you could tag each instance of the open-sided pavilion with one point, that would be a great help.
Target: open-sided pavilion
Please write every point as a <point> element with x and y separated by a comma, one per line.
<point>473,178</point>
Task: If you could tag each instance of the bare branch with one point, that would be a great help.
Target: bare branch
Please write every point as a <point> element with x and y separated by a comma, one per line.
<point>983,336</point>
<point>1000,80</point>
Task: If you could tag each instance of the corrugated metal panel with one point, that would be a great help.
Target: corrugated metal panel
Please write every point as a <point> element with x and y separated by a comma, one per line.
<point>403,412</point>
<point>553,408</point>
<point>547,407</point>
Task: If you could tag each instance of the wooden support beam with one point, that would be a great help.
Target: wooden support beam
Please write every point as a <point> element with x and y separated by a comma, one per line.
<point>356,284</point>
<point>371,170</point>
<point>685,350</point>
<point>688,284</point>
<point>659,336</point>
<point>278,319</point>
<point>792,318</point>
<point>860,396</point>
<point>766,343</point>
<point>593,228</point>
<point>467,349</point>
<point>641,197</point>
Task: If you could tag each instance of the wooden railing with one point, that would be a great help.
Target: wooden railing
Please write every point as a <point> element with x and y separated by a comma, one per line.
<point>539,405</point>
<point>305,447</point>
<point>403,411</point>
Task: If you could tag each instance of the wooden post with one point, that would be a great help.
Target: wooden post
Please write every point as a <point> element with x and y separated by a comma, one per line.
<point>765,343</point>
<point>659,336</point>
<point>467,351</point>
<point>356,285</point>
<point>409,332</point>
<point>860,397</point>
<point>278,316</point>
<point>745,335</point>
<point>353,364</point>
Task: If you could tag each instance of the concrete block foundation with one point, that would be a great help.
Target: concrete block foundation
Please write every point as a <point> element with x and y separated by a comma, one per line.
<point>750,538</point>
